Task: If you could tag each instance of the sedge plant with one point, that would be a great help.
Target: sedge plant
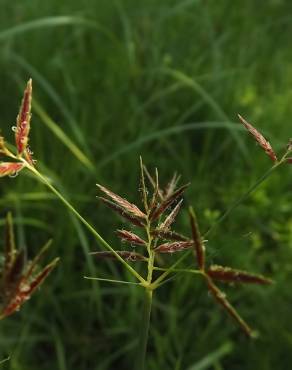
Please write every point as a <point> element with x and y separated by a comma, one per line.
<point>153,220</point>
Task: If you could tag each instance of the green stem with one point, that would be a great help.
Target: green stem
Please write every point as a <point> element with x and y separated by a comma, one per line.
<point>147,304</point>
<point>39,176</point>
<point>243,197</point>
<point>111,280</point>
<point>144,330</point>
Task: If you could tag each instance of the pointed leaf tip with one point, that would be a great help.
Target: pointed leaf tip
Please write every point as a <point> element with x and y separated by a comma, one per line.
<point>259,138</point>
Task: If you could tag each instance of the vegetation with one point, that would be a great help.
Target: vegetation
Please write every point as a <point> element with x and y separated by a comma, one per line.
<point>116,80</point>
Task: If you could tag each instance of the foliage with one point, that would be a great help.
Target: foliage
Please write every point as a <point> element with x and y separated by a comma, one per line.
<point>124,78</point>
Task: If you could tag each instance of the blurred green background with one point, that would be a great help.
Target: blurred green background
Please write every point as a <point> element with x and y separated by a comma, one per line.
<point>165,79</point>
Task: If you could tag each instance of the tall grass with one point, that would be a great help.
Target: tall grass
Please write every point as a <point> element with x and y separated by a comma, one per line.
<point>142,86</point>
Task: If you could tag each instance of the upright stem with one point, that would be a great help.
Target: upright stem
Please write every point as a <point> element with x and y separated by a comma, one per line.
<point>144,330</point>
<point>147,304</point>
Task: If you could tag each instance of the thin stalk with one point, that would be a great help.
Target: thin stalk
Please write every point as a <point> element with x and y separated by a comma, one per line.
<point>191,271</point>
<point>40,177</point>
<point>147,304</point>
<point>144,330</point>
<point>111,280</point>
<point>250,190</point>
<point>243,197</point>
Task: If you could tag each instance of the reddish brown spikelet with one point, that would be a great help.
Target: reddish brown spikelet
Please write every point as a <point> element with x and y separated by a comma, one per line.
<point>39,279</point>
<point>126,255</point>
<point>23,120</point>
<point>168,235</point>
<point>260,139</point>
<point>168,202</point>
<point>155,197</point>
<point>121,211</point>
<point>130,237</point>
<point>25,289</point>
<point>13,305</point>
<point>289,160</point>
<point>171,217</point>
<point>28,156</point>
<point>221,299</point>
<point>18,282</point>
<point>198,243</point>
<point>174,247</point>
<point>10,168</point>
<point>127,206</point>
<point>13,274</point>
<point>228,274</point>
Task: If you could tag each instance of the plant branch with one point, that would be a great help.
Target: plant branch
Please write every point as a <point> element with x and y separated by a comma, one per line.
<point>40,177</point>
<point>223,217</point>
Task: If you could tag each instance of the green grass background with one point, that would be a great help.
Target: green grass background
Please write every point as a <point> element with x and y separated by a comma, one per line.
<point>165,79</point>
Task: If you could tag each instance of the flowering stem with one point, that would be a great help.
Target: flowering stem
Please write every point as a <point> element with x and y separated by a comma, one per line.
<point>243,197</point>
<point>172,268</point>
<point>144,329</point>
<point>40,177</point>
<point>147,304</point>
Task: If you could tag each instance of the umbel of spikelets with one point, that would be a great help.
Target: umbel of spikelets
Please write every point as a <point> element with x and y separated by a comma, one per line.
<point>155,219</point>
<point>19,278</point>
